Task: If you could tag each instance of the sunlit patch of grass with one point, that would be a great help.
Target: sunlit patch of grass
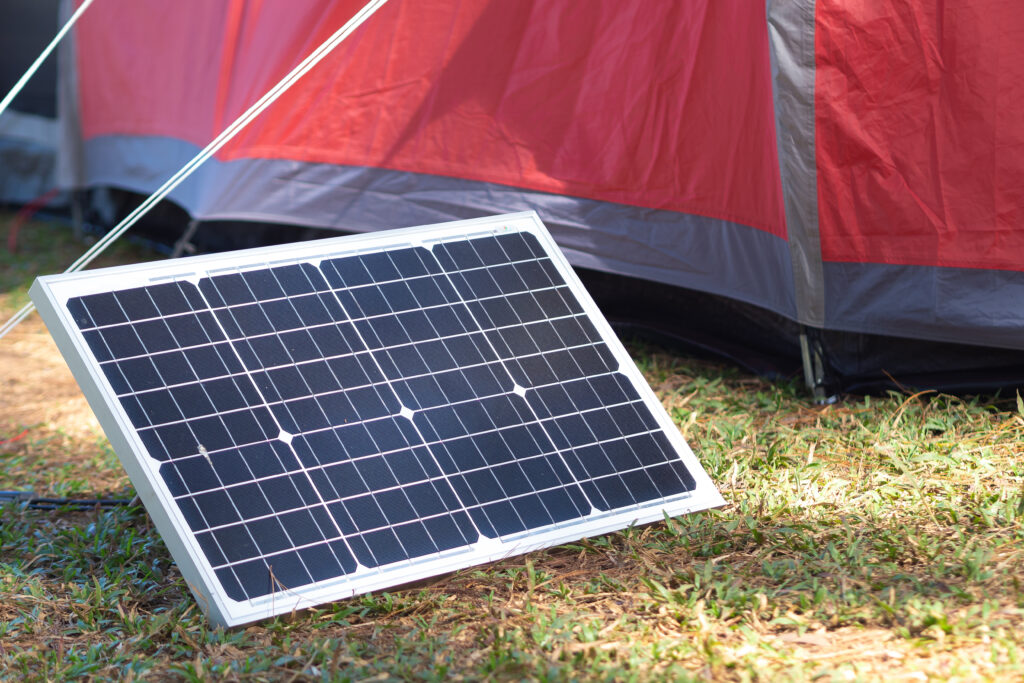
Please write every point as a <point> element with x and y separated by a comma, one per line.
<point>876,538</point>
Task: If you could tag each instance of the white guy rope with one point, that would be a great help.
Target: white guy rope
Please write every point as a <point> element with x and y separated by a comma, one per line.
<point>42,58</point>
<point>241,122</point>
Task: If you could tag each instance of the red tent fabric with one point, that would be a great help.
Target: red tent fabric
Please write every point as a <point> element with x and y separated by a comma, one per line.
<point>849,165</point>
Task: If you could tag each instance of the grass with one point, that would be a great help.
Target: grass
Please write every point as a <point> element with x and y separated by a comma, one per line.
<point>876,538</point>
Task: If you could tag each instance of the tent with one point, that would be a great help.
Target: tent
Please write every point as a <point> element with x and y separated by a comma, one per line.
<point>841,175</point>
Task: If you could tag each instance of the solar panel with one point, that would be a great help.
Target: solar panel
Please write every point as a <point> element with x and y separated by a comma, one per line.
<point>312,421</point>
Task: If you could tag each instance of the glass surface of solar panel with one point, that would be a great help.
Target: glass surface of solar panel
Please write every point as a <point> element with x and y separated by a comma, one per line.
<point>332,417</point>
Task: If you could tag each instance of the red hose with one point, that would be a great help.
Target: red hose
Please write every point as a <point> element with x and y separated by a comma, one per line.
<point>24,215</point>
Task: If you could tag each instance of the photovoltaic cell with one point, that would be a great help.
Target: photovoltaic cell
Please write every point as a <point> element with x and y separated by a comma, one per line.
<point>370,409</point>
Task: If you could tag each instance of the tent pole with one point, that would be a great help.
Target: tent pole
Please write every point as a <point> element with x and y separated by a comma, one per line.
<point>813,355</point>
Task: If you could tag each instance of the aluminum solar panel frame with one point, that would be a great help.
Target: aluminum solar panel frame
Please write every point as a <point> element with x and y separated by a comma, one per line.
<point>312,421</point>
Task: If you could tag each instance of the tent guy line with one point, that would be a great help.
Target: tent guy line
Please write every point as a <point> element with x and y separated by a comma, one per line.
<point>42,57</point>
<point>225,136</point>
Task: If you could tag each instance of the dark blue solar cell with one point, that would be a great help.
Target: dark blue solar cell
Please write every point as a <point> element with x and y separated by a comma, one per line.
<point>216,508</point>
<point>345,272</point>
<point>283,492</point>
<point>210,433</point>
<point>142,375</point>
<point>190,511</point>
<point>251,319</point>
<point>371,403</point>
<point>299,279</point>
<point>159,407</point>
<point>313,309</point>
<point>497,447</point>
<point>264,284</point>
<point>431,291</point>
<point>437,356</point>
<point>195,474</point>
<point>330,340</point>
<point>396,506</point>
<point>552,303</point>
<point>411,465</point>
<point>418,326</point>
<point>282,315</point>
<point>300,346</point>
<point>355,371</point>
<point>231,393</point>
<point>370,301</point>
<point>532,511</point>
<point>79,313</point>
<point>104,309</point>
<point>192,400</point>
<point>136,303</point>
<point>205,361</point>
<point>497,312</point>
<point>287,571</point>
<point>465,454</point>
<point>375,473</point>
<point>419,393</point>
<point>398,296</point>
<point>122,341</point>
<point>134,411</point>
<point>425,500</point>
<point>169,298</point>
<point>378,548</point>
<point>503,518</point>
<point>550,401</point>
<point>255,577</point>
<point>380,266</point>
<point>515,247</point>
<point>173,367</point>
<point>269,351</point>
<point>322,560</point>
<point>343,480</point>
<point>451,531</point>
<point>318,377</point>
<point>356,440</point>
<point>414,262</point>
<point>268,459</point>
<point>286,381</point>
<point>526,307</point>
<point>416,540</point>
<point>226,319</point>
<point>571,430</point>
<point>226,290</point>
<point>595,391</point>
<point>476,284</point>
<point>363,512</point>
<point>508,279</point>
<point>457,256</point>
<point>156,337</point>
<point>388,434</point>
<point>249,426</point>
<point>230,467</point>
<point>533,275</point>
<point>269,535</point>
<point>338,408</point>
<point>386,328</point>
<point>302,527</point>
<point>210,548</point>
<point>97,345</point>
<point>575,331</point>
<point>406,362</point>
<point>454,386</point>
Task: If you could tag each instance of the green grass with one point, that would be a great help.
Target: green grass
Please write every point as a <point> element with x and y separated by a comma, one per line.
<point>877,538</point>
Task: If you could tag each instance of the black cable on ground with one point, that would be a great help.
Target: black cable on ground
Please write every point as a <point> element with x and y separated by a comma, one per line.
<point>29,500</point>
